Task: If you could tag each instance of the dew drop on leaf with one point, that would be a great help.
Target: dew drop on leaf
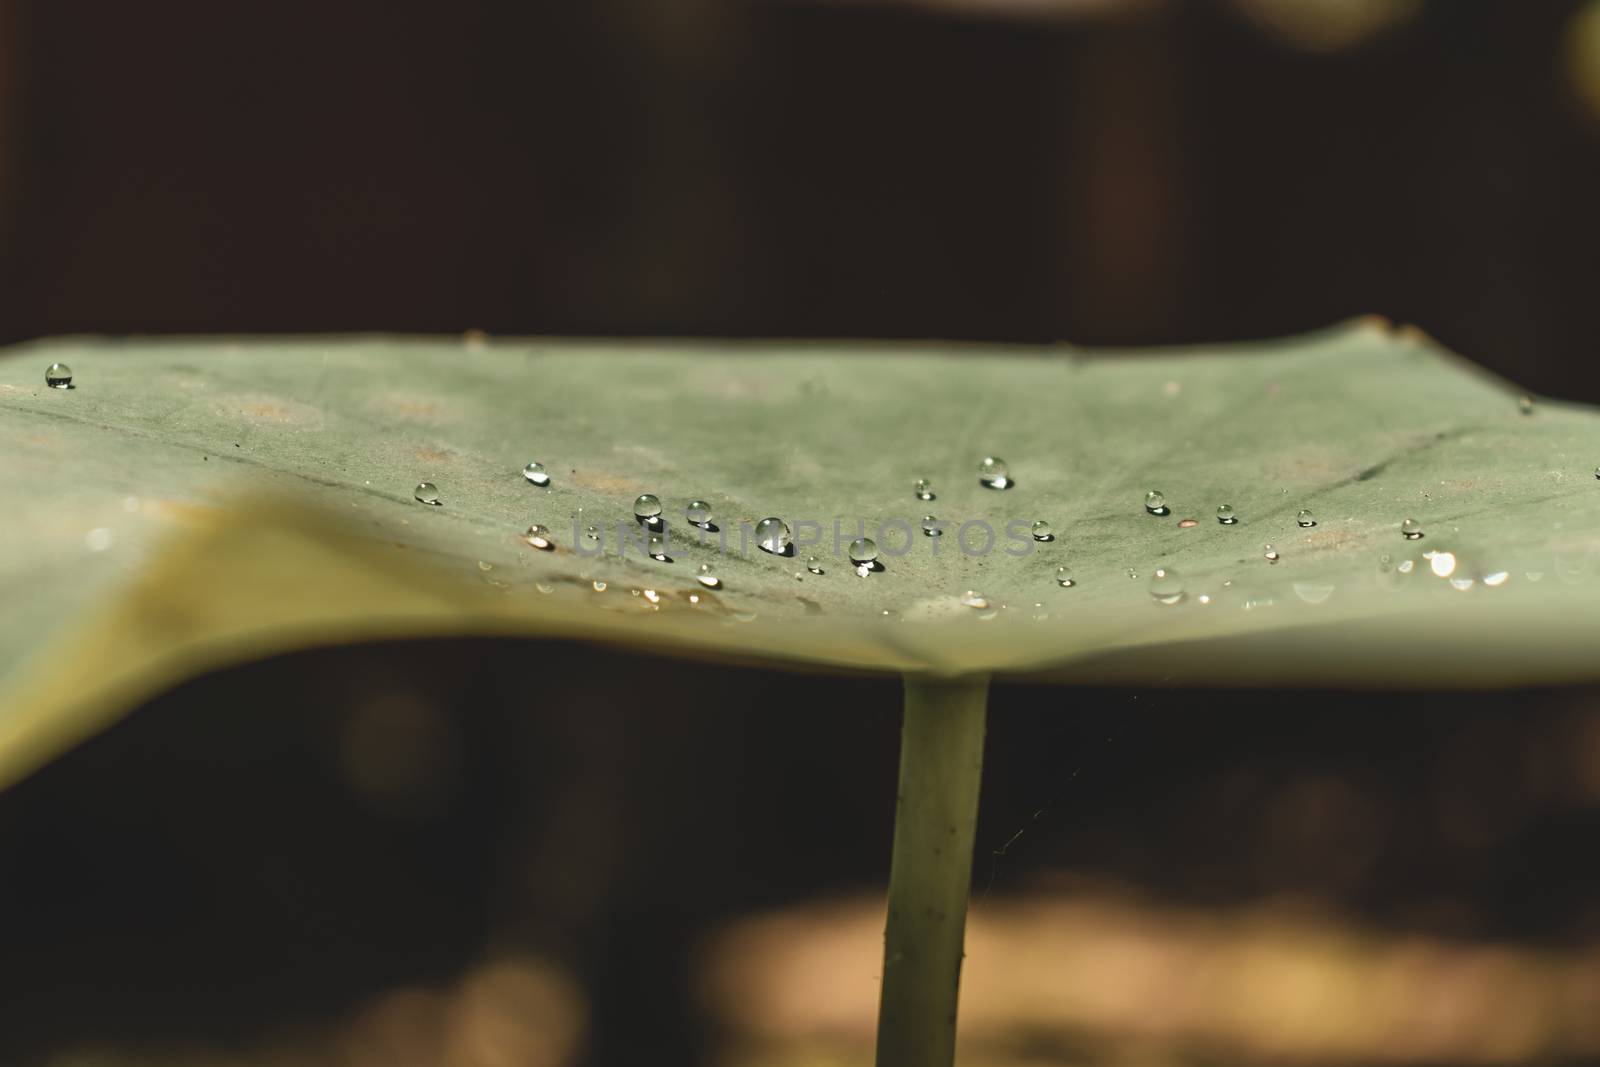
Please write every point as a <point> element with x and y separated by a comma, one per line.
<point>1305,518</point>
<point>58,376</point>
<point>863,550</point>
<point>1411,529</point>
<point>1155,502</point>
<point>772,535</point>
<point>923,489</point>
<point>975,600</point>
<point>993,473</point>
<point>1269,553</point>
<point>647,507</point>
<point>1225,514</point>
<point>1064,577</point>
<point>1165,586</point>
<point>427,493</point>
<point>536,473</point>
<point>813,564</point>
<point>706,575</point>
<point>539,537</point>
<point>592,534</point>
<point>1041,531</point>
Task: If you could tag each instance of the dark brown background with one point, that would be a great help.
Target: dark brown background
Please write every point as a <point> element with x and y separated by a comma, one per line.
<point>714,167</point>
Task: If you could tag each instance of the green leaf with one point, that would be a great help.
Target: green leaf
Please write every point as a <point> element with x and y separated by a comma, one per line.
<point>195,503</point>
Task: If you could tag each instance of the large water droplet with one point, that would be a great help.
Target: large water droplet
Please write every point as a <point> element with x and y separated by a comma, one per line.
<point>1155,503</point>
<point>813,564</point>
<point>1411,529</point>
<point>923,489</point>
<point>647,508</point>
<point>1305,518</point>
<point>1269,553</point>
<point>993,473</point>
<point>698,513</point>
<point>932,526</point>
<point>863,550</point>
<point>58,376</point>
<point>772,535</point>
<point>427,493</point>
<point>1064,577</point>
<point>1165,586</point>
<point>1041,531</point>
<point>539,537</point>
<point>1225,514</point>
<point>536,474</point>
<point>706,575</point>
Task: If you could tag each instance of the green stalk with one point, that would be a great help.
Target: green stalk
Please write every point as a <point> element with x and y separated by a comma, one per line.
<point>930,874</point>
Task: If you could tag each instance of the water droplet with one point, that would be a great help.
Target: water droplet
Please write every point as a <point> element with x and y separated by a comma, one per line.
<point>1525,404</point>
<point>599,586</point>
<point>863,550</point>
<point>706,575</point>
<point>1305,518</point>
<point>1155,503</point>
<point>647,508</point>
<point>536,474</point>
<point>923,489</point>
<point>772,535</point>
<point>932,527</point>
<point>544,587</point>
<point>1188,524</point>
<point>1269,553</point>
<point>1495,579</point>
<point>1131,573</point>
<point>1225,514</point>
<point>1411,529</point>
<point>1041,531</point>
<point>58,376</point>
<point>1165,586</point>
<point>1064,577</point>
<point>427,493</point>
<point>698,513</point>
<point>484,566</point>
<point>539,537</point>
<point>658,548</point>
<point>975,600</point>
<point>592,533</point>
<point>813,564</point>
<point>993,473</point>
<point>652,596</point>
<point>1443,564</point>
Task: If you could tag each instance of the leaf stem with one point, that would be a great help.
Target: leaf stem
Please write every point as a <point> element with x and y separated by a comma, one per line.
<point>930,873</point>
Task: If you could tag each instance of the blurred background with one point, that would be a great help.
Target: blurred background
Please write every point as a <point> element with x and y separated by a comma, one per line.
<point>483,854</point>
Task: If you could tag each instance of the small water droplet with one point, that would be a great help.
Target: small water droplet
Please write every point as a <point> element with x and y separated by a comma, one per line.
<point>863,550</point>
<point>698,513</point>
<point>427,493</point>
<point>1225,514</point>
<point>539,537</point>
<point>1269,553</point>
<point>599,586</point>
<point>647,508</point>
<point>658,548</point>
<point>1064,577</point>
<point>536,474</point>
<point>1155,502</point>
<point>1305,518</point>
<point>993,473</point>
<point>772,535</point>
<point>1131,573</point>
<point>1495,579</point>
<point>975,600</point>
<point>813,564</point>
<point>1411,529</point>
<point>58,376</point>
<point>652,596</point>
<point>1188,524</point>
<point>544,587</point>
<point>923,489</point>
<point>592,533</point>
<point>1525,404</point>
<point>1165,587</point>
<point>706,575</point>
<point>484,566</point>
<point>1041,531</point>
